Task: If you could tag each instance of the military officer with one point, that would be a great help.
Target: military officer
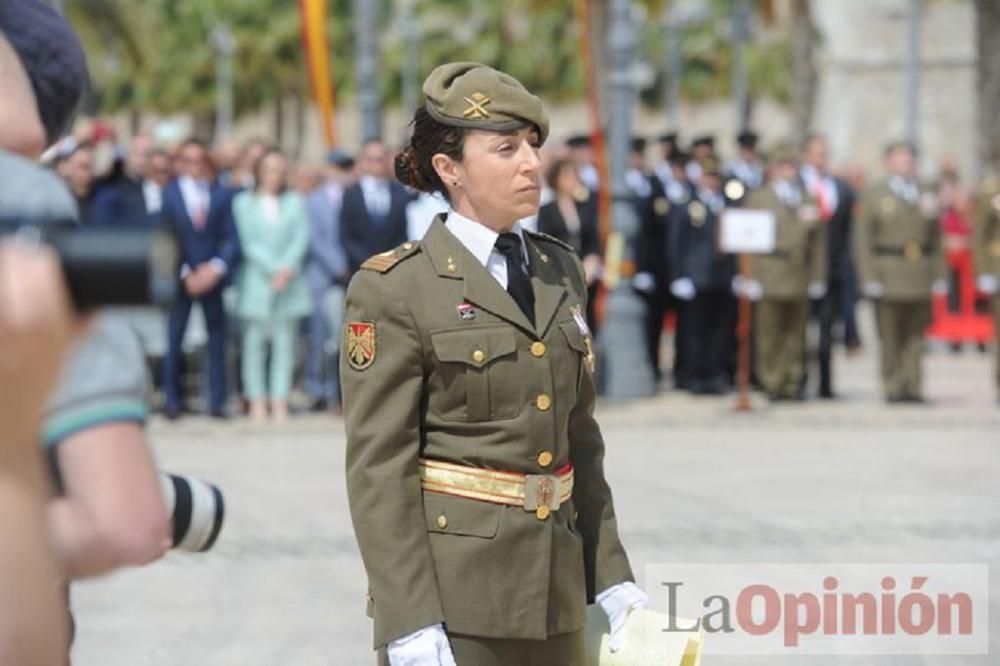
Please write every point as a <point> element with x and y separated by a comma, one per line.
<point>745,173</point>
<point>653,210</point>
<point>701,281</point>
<point>986,249</point>
<point>784,280</point>
<point>474,463</point>
<point>900,262</point>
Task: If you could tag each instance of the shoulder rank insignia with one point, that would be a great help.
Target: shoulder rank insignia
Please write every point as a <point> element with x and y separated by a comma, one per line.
<point>384,261</point>
<point>360,344</point>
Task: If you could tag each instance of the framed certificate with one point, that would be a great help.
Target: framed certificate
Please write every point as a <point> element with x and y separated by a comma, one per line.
<point>747,231</point>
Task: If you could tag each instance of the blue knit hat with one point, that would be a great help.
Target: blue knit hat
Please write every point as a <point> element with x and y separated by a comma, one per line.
<point>53,58</point>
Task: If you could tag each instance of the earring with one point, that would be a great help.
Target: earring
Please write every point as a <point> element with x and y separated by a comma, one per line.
<point>454,183</point>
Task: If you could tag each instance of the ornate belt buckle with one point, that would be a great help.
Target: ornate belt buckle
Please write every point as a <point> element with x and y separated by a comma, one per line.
<point>541,494</point>
<point>913,251</point>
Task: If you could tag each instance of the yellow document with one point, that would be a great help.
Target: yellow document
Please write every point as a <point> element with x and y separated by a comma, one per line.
<point>646,643</point>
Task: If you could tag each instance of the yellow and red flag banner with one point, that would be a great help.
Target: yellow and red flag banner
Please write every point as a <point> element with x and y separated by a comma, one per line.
<point>317,48</point>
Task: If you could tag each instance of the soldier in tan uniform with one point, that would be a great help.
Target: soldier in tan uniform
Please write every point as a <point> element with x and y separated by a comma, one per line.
<point>785,279</point>
<point>986,249</point>
<point>474,464</point>
<point>900,263</point>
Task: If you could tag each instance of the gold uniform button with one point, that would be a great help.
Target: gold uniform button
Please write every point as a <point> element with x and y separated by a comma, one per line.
<point>542,512</point>
<point>407,246</point>
<point>538,349</point>
<point>543,402</point>
<point>442,522</point>
<point>544,459</point>
<point>478,356</point>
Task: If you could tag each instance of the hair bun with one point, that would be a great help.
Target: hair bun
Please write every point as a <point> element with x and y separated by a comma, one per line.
<point>407,171</point>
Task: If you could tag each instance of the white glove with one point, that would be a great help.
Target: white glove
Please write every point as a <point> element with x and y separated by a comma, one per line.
<point>425,647</point>
<point>987,284</point>
<point>683,288</point>
<point>873,289</point>
<point>644,282</point>
<point>617,602</point>
<point>817,290</point>
<point>747,287</point>
<point>939,287</point>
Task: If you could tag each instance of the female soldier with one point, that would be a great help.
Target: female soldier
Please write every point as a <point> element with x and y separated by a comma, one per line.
<point>474,465</point>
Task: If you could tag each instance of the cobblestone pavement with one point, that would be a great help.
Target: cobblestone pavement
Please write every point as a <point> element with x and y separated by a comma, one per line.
<point>847,481</point>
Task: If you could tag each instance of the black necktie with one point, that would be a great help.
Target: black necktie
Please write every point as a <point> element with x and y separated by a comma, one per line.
<point>518,282</point>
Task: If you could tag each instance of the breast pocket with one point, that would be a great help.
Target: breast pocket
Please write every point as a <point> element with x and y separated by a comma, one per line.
<point>475,377</point>
<point>577,353</point>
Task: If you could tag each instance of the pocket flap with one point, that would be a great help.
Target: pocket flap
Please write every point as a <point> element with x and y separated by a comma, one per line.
<point>473,346</point>
<point>457,515</point>
<point>573,336</point>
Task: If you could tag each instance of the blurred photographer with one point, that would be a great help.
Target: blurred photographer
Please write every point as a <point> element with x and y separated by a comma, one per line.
<point>108,511</point>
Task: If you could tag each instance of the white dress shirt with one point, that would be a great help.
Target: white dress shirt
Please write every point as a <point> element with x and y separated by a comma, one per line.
<point>481,241</point>
<point>196,196</point>
<point>376,195</point>
<point>810,176</point>
<point>152,194</point>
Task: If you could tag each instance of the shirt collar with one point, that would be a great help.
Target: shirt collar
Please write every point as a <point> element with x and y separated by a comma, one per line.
<point>477,238</point>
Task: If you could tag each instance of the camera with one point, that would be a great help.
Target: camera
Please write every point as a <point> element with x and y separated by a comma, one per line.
<point>197,510</point>
<point>102,265</point>
<point>105,266</point>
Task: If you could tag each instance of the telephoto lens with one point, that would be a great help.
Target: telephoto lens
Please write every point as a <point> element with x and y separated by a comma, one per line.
<point>116,265</point>
<point>197,510</point>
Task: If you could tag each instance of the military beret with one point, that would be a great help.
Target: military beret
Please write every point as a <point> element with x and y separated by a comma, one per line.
<point>638,144</point>
<point>704,140</point>
<point>679,158</point>
<point>783,152</point>
<point>710,166</point>
<point>747,139</point>
<point>578,141</point>
<point>472,95</point>
<point>52,57</point>
<point>669,137</point>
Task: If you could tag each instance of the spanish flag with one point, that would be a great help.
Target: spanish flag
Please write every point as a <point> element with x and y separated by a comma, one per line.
<point>317,48</point>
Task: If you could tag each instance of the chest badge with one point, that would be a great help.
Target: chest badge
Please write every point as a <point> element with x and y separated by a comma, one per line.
<point>466,311</point>
<point>360,344</point>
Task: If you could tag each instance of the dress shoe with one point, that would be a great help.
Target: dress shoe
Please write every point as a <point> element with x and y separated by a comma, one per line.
<point>172,413</point>
<point>219,413</point>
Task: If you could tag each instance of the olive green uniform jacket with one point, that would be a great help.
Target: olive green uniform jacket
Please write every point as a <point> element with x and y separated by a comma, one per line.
<point>898,244</point>
<point>483,569</point>
<point>799,256</point>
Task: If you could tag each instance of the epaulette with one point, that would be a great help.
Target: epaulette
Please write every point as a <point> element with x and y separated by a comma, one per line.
<point>538,235</point>
<point>384,262</point>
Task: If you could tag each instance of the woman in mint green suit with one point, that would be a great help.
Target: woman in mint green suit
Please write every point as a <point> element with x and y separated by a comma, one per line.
<point>272,292</point>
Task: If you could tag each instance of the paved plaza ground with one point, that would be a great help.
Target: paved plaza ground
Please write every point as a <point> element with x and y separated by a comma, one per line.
<point>845,481</point>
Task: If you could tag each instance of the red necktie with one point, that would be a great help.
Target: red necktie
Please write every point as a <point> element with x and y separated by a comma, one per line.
<point>200,216</point>
<point>819,193</point>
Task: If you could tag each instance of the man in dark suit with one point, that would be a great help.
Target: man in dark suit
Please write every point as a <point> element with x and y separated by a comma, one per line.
<point>199,213</point>
<point>373,214</point>
<point>835,201</point>
<point>119,200</point>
